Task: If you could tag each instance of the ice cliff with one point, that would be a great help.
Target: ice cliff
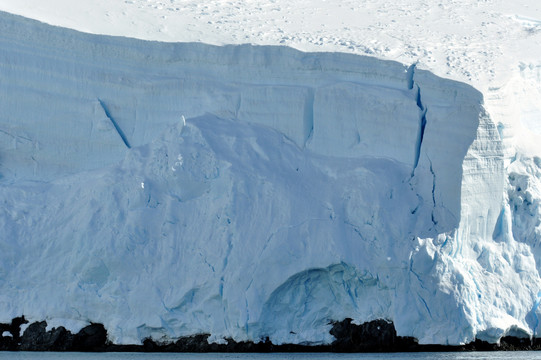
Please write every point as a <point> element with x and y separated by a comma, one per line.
<point>248,192</point>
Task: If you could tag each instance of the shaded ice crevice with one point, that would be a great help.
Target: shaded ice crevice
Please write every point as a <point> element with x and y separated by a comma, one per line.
<point>115,124</point>
<point>434,221</point>
<point>412,85</point>
<point>308,117</point>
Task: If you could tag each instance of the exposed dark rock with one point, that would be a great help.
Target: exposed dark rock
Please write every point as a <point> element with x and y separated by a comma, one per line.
<point>7,342</point>
<point>373,336</point>
<point>198,343</point>
<point>91,338</point>
<point>14,328</point>
<point>195,343</point>
<point>36,338</point>
<point>377,335</point>
<point>514,343</point>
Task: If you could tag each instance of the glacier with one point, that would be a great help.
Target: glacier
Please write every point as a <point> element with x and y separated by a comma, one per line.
<point>253,192</point>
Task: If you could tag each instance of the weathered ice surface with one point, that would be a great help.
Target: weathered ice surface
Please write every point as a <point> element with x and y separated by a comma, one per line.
<point>253,193</point>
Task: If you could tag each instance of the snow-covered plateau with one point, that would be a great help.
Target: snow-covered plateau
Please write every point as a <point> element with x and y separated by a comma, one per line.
<point>255,191</point>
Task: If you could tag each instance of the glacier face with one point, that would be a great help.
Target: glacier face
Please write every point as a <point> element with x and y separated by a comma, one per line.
<point>250,192</point>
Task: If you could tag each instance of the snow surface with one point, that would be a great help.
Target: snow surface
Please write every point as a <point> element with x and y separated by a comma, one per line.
<point>166,189</point>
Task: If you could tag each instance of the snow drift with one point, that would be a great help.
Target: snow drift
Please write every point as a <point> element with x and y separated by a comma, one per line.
<point>254,191</point>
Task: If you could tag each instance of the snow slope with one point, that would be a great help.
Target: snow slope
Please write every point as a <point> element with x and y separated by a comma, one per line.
<point>252,191</point>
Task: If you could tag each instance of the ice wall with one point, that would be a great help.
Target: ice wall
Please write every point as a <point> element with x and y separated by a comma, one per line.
<point>75,79</point>
<point>249,192</point>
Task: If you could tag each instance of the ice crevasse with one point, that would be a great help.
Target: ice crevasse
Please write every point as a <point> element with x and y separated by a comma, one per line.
<point>249,192</point>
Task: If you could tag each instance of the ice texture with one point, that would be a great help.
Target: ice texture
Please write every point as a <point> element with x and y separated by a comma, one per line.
<point>249,192</point>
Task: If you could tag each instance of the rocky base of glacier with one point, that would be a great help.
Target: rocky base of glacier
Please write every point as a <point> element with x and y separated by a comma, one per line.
<point>373,336</point>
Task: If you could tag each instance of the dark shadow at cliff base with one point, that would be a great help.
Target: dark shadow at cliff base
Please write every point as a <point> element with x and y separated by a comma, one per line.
<point>373,336</point>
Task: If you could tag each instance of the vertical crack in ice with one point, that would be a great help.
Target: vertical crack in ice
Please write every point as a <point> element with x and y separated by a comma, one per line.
<point>422,115</point>
<point>421,284</point>
<point>205,260</point>
<point>410,74</point>
<point>247,305</point>
<point>238,106</point>
<point>534,310</point>
<point>426,305</point>
<point>415,274</point>
<point>35,167</point>
<point>308,124</point>
<point>247,309</point>
<point>115,124</point>
<point>227,252</point>
<point>433,192</point>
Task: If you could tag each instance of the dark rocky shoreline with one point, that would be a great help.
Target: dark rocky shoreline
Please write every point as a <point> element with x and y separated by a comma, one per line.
<point>373,336</point>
